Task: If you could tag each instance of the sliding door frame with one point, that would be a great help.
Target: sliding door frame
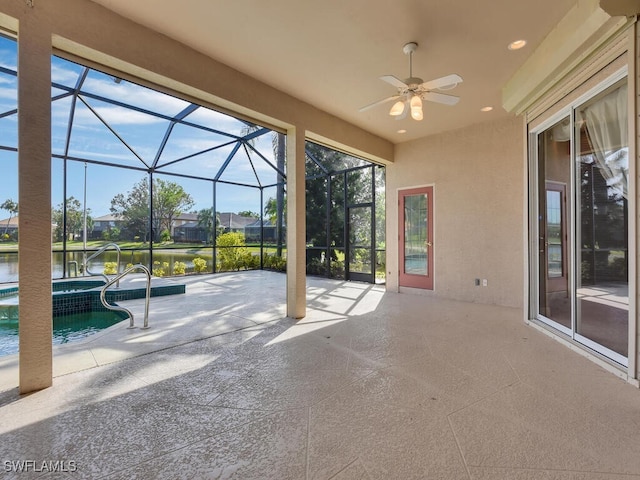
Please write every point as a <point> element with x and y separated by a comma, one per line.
<point>630,362</point>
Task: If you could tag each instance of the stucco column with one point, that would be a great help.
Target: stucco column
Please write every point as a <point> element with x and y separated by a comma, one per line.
<point>296,224</point>
<point>34,182</point>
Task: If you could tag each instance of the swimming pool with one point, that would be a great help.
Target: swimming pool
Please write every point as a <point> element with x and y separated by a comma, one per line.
<point>66,328</point>
<point>77,309</point>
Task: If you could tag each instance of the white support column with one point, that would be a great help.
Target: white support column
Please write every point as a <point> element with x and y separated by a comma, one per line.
<point>296,224</point>
<point>34,182</point>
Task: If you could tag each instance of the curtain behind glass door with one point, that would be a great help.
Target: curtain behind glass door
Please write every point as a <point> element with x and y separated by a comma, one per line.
<point>602,169</point>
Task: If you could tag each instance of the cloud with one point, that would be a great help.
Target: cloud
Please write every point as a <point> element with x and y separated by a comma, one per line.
<point>133,94</point>
<point>115,115</point>
<point>106,156</point>
<point>216,120</point>
<point>64,75</point>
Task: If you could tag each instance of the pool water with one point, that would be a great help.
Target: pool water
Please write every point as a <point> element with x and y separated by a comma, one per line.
<point>66,328</point>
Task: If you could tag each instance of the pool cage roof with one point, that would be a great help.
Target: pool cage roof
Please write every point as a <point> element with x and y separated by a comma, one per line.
<point>103,119</point>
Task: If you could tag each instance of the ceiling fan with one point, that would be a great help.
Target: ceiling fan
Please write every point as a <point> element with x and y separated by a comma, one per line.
<point>413,90</point>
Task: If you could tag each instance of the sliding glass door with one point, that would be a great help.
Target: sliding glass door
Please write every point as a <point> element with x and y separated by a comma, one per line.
<point>580,179</point>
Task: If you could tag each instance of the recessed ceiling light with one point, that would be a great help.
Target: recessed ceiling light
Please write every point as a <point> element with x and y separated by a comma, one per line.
<point>486,109</point>
<point>402,130</point>
<point>517,45</point>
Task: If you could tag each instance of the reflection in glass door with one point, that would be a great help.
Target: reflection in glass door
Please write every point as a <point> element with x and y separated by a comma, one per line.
<point>554,172</point>
<point>602,170</point>
<point>416,237</point>
<point>582,223</point>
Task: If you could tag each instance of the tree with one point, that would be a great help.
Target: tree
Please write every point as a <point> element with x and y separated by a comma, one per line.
<point>349,185</point>
<point>205,221</point>
<point>11,207</point>
<point>271,210</point>
<point>249,214</point>
<point>279,150</point>
<point>74,225</point>
<point>169,201</point>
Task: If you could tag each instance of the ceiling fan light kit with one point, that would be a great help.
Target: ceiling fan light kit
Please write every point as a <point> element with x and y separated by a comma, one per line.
<point>397,109</point>
<point>414,90</point>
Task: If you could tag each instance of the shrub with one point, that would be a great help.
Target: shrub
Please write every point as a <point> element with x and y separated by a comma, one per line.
<point>110,268</point>
<point>165,236</point>
<point>160,269</point>
<point>316,266</point>
<point>337,269</point>
<point>199,265</point>
<point>232,251</point>
<point>274,262</point>
<point>179,268</point>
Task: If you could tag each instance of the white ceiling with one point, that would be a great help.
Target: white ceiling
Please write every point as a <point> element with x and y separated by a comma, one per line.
<point>330,53</point>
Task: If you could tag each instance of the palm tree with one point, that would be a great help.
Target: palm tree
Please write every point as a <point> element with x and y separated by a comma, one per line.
<point>279,149</point>
<point>278,142</point>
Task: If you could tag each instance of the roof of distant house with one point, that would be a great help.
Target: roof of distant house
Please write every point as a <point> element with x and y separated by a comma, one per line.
<point>12,222</point>
<point>109,217</point>
<point>233,220</point>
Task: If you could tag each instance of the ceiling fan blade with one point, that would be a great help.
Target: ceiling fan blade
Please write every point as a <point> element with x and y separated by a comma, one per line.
<point>379,102</point>
<point>396,82</point>
<point>449,80</point>
<point>441,98</point>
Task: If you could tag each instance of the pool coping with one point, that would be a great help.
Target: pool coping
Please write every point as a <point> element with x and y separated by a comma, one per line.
<point>174,320</point>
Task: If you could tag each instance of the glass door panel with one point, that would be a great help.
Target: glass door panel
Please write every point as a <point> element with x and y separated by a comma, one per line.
<point>582,224</point>
<point>554,172</point>
<point>602,165</point>
<point>416,234</point>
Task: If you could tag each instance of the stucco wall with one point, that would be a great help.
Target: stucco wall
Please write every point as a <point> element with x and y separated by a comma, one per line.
<point>478,175</point>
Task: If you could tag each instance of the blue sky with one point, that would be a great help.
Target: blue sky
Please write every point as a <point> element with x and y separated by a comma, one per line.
<point>143,133</point>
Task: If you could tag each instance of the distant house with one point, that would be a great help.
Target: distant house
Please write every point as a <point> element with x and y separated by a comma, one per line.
<point>186,229</point>
<point>232,222</point>
<point>190,232</point>
<point>252,232</point>
<point>183,219</point>
<point>104,223</point>
<point>9,226</point>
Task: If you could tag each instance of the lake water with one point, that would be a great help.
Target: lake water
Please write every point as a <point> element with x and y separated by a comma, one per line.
<point>9,261</point>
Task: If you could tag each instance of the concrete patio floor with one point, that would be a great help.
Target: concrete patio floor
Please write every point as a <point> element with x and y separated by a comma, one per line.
<point>370,385</point>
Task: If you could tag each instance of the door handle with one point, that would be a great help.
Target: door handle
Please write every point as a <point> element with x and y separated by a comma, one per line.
<point>428,244</point>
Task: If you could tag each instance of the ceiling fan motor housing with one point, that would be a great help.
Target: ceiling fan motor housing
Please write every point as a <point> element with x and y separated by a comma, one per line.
<point>413,82</point>
<point>409,48</point>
